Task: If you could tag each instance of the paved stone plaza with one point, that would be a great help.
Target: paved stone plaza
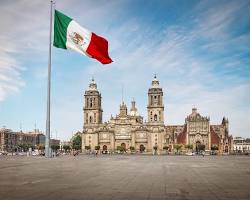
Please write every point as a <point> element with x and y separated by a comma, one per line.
<point>125,177</point>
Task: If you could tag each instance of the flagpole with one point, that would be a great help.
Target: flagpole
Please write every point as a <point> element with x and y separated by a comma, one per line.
<point>47,138</point>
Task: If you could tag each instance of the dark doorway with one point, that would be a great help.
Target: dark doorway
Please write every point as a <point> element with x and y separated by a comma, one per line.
<point>104,148</point>
<point>226,149</point>
<point>199,147</point>
<point>123,145</point>
<point>142,148</point>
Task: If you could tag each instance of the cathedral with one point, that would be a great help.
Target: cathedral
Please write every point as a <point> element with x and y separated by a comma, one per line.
<point>127,129</point>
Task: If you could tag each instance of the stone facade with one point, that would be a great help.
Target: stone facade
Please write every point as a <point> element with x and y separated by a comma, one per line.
<point>241,145</point>
<point>127,129</point>
<point>11,141</point>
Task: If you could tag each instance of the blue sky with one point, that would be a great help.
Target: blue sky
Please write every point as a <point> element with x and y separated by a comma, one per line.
<point>200,51</point>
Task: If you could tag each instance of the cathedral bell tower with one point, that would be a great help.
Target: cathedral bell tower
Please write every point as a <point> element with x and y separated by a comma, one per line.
<point>92,105</point>
<point>155,103</point>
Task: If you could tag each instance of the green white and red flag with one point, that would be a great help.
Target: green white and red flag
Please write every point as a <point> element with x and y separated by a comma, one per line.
<point>68,34</point>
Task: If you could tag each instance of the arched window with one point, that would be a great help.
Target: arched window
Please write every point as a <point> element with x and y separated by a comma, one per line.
<point>155,117</point>
<point>90,119</point>
<point>94,117</point>
<point>91,103</point>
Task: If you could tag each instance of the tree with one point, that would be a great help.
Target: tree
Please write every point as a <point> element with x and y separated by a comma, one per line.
<point>132,148</point>
<point>178,147</point>
<point>24,147</point>
<point>121,148</point>
<point>97,148</point>
<point>55,147</point>
<point>77,142</point>
<point>188,146</point>
<point>166,148</point>
<point>87,147</point>
<point>66,148</point>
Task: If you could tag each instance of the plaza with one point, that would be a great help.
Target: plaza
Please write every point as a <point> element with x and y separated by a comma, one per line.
<point>125,177</point>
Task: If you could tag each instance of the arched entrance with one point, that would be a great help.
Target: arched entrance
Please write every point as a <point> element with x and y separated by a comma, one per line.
<point>142,148</point>
<point>226,149</point>
<point>104,148</point>
<point>197,144</point>
<point>199,147</point>
<point>123,145</point>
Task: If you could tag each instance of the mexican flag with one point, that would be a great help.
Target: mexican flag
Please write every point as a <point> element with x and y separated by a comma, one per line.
<point>68,34</point>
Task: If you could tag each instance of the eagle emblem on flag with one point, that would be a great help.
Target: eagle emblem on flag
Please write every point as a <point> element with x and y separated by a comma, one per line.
<point>77,38</point>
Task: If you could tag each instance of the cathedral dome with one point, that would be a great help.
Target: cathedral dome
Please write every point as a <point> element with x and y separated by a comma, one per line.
<point>134,113</point>
<point>133,110</point>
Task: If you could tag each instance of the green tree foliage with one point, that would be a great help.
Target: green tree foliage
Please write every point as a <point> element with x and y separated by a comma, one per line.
<point>166,148</point>
<point>178,147</point>
<point>97,148</point>
<point>87,148</point>
<point>132,148</point>
<point>66,148</point>
<point>77,142</point>
<point>120,148</point>
<point>189,146</point>
<point>55,147</point>
<point>25,147</point>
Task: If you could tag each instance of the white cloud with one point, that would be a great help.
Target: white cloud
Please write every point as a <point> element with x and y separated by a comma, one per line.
<point>185,57</point>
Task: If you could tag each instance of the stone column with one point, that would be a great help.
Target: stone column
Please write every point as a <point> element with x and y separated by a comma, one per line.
<point>149,147</point>
<point>83,142</point>
<point>133,139</point>
<point>112,141</point>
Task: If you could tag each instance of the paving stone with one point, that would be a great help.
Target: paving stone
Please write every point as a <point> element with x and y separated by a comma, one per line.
<point>121,177</point>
